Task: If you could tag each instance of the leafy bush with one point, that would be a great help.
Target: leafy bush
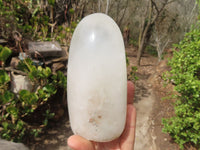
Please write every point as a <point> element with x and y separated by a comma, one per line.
<point>14,109</point>
<point>40,21</point>
<point>184,127</point>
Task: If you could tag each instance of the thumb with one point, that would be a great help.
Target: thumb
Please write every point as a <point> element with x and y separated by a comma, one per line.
<point>76,142</point>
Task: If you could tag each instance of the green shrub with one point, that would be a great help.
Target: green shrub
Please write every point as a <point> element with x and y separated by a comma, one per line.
<point>39,23</point>
<point>14,109</point>
<point>184,127</point>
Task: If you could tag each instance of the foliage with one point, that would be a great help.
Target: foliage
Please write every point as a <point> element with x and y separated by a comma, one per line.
<point>184,127</point>
<point>132,76</point>
<point>151,50</point>
<point>127,61</point>
<point>133,42</point>
<point>5,52</point>
<point>39,23</point>
<point>15,108</point>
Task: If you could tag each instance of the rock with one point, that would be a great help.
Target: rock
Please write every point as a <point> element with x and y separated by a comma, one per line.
<point>23,56</point>
<point>61,136</point>
<point>46,49</point>
<point>52,132</point>
<point>38,138</point>
<point>7,145</point>
<point>14,62</point>
<point>67,124</point>
<point>2,41</point>
<point>48,142</point>
<point>19,82</point>
<point>97,81</point>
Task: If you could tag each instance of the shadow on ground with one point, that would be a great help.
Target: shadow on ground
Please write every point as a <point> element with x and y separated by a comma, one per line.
<point>141,88</point>
<point>55,137</point>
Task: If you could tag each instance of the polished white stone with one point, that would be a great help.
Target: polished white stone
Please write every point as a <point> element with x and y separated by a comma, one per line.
<point>96,80</point>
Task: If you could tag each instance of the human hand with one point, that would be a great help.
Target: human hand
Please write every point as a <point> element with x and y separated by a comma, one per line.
<point>124,142</point>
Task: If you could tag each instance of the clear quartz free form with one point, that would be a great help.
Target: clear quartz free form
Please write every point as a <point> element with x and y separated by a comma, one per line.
<point>96,79</point>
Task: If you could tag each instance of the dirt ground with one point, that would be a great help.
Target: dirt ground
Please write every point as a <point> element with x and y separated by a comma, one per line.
<point>148,102</point>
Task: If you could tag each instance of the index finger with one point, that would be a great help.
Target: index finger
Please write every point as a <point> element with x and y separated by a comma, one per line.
<point>130,92</point>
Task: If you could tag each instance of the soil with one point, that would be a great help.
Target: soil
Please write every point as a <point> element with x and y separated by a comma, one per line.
<point>148,97</point>
<point>149,92</point>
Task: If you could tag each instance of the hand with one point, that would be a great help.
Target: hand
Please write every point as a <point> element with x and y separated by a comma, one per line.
<point>124,142</point>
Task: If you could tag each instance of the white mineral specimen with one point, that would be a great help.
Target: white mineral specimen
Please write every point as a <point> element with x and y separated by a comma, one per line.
<point>97,82</point>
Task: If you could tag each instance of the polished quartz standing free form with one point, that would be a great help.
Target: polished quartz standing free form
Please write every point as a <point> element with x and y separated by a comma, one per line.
<point>96,79</point>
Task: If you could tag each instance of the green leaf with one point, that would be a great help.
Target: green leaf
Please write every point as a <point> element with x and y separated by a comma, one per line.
<point>35,11</point>
<point>47,72</point>
<point>50,89</point>
<point>13,111</point>
<point>27,97</point>
<point>6,97</point>
<point>71,11</point>
<point>20,125</point>
<point>5,53</point>
<point>51,2</point>
<point>4,77</point>
<point>5,125</point>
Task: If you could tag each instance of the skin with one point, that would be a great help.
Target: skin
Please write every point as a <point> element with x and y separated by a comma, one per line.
<point>124,142</point>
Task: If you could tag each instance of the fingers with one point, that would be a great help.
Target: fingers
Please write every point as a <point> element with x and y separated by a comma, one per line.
<point>130,92</point>
<point>128,136</point>
<point>76,142</point>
